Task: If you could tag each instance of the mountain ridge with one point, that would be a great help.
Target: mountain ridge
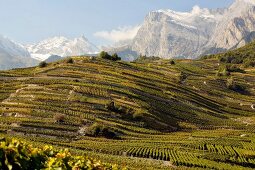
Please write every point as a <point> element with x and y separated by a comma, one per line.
<point>14,55</point>
<point>171,34</point>
<point>61,46</point>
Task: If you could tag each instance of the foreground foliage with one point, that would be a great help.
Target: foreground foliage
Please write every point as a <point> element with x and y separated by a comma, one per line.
<point>16,155</point>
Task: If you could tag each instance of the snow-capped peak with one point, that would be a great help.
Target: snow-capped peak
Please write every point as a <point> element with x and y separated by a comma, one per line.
<point>189,16</point>
<point>246,1</point>
<point>12,48</point>
<point>61,46</point>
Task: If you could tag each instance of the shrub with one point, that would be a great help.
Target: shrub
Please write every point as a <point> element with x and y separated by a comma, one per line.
<point>172,62</point>
<point>104,55</point>
<point>182,77</point>
<point>107,56</point>
<point>232,85</point>
<point>138,115</point>
<point>115,57</point>
<point>59,118</point>
<point>225,72</point>
<point>97,130</point>
<point>69,60</point>
<point>94,130</point>
<point>42,64</point>
<point>108,133</point>
<point>111,106</point>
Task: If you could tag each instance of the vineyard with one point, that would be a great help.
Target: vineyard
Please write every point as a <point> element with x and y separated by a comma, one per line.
<point>17,155</point>
<point>139,115</point>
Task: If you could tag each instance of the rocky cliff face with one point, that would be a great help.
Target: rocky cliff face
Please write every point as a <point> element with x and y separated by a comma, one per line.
<point>169,34</point>
<point>236,27</point>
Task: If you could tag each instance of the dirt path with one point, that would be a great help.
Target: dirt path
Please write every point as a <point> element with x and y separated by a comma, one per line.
<point>16,93</point>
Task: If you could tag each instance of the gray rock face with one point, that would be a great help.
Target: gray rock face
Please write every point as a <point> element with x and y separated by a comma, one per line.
<point>170,34</point>
<point>236,26</point>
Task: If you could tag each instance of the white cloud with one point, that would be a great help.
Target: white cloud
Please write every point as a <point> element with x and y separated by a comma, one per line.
<point>119,34</point>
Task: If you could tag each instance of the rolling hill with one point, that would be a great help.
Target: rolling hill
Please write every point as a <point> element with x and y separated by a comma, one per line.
<point>148,114</point>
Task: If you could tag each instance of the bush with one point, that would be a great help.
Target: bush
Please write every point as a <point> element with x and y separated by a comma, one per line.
<point>115,57</point>
<point>138,115</point>
<point>104,55</point>
<point>94,130</point>
<point>69,60</point>
<point>112,107</point>
<point>59,118</point>
<point>107,56</point>
<point>42,64</point>
<point>97,130</point>
<point>225,72</point>
<point>232,85</point>
<point>234,68</point>
<point>108,133</point>
<point>182,77</point>
<point>172,62</point>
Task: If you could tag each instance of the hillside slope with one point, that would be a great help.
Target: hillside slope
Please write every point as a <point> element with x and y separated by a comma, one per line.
<point>115,111</point>
<point>244,55</point>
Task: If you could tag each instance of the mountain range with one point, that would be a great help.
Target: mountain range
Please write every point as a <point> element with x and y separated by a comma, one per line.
<point>164,33</point>
<point>170,34</point>
<point>14,55</point>
<point>61,46</point>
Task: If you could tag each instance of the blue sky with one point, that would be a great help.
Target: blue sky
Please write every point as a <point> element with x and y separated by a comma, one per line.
<point>28,21</point>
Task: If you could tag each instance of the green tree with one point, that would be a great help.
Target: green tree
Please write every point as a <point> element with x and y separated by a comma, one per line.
<point>69,60</point>
<point>115,57</point>
<point>42,64</point>
<point>104,55</point>
<point>172,62</point>
<point>107,56</point>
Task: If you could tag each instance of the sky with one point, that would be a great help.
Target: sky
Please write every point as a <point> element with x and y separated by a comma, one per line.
<point>101,21</point>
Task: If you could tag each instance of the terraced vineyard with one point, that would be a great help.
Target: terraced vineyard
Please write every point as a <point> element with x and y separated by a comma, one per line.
<point>140,115</point>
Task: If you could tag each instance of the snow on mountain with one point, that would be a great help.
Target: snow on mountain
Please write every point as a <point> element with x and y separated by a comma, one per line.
<point>237,24</point>
<point>12,48</point>
<point>169,34</point>
<point>14,55</point>
<point>189,17</point>
<point>61,46</point>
